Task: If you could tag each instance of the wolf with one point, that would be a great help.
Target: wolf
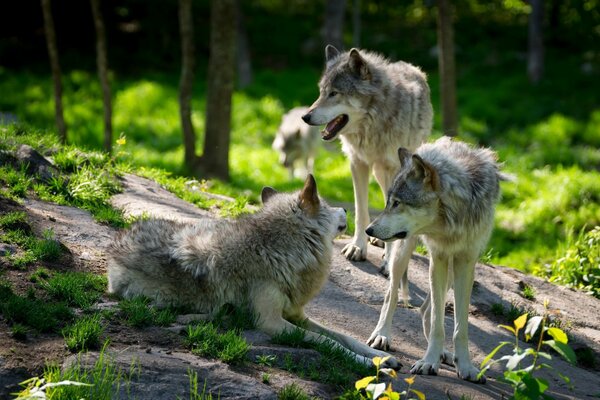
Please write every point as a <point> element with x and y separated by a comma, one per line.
<point>297,143</point>
<point>374,106</point>
<point>445,192</point>
<point>273,262</point>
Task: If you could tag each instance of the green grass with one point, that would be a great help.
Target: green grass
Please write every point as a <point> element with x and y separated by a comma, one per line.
<point>204,339</point>
<point>195,393</point>
<point>292,392</point>
<point>84,334</point>
<point>77,289</point>
<point>139,313</point>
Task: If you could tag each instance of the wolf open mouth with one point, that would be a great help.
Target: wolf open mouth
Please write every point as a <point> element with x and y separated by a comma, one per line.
<point>334,126</point>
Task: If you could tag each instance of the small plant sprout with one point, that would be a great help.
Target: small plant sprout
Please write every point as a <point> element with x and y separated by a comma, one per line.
<point>266,378</point>
<point>370,388</point>
<point>35,388</point>
<point>266,359</point>
<point>520,377</point>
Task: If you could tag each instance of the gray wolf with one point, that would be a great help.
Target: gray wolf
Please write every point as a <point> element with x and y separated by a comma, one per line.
<point>446,192</point>
<point>297,143</point>
<point>374,106</point>
<point>273,262</point>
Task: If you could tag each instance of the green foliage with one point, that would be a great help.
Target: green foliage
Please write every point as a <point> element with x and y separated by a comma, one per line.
<point>40,315</point>
<point>579,267</point>
<point>292,391</point>
<point>525,385</point>
<point>204,339</point>
<point>369,387</point>
<point>266,360</point>
<point>14,220</point>
<point>265,378</point>
<point>19,331</point>
<point>528,292</point>
<point>194,391</point>
<point>77,289</point>
<point>83,334</point>
<point>139,313</point>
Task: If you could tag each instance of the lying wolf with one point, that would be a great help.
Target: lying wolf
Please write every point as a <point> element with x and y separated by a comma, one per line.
<point>446,192</point>
<point>297,143</point>
<point>274,262</point>
<point>374,106</point>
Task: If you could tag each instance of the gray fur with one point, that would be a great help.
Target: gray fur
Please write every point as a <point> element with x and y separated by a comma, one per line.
<point>445,193</point>
<point>273,262</point>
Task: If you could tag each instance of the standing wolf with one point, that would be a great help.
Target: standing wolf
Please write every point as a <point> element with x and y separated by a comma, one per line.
<point>296,143</point>
<point>446,192</point>
<point>274,262</point>
<point>375,106</point>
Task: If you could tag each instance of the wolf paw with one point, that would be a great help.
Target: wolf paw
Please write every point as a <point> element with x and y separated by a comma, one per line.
<point>354,253</point>
<point>425,367</point>
<point>469,372</point>
<point>379,341</point>
<point>376,242</point>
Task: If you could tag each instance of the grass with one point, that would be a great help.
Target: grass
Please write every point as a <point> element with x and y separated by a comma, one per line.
<point>204,339</point>
<point>139,313</point>
<point>195,394</point>
<point>77,289</point>
<point>346,370</point>
<point>84,334</point>
<point>292,392</point>
<point>528,292</point>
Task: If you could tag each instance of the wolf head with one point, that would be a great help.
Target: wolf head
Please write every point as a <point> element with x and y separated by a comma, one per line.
<point>344,87</point>
<point>308,206</point>
<point>290,147</point>
<point>412,201</point>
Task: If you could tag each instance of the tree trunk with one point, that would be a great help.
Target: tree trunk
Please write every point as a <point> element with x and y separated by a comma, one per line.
<point>55,67</point>
<point>535,58</point>
<point>186,82</point>
<point>102,62</point>
<point>333,24</point>
<point>356,25</point>
<point>244,63</point>
<point>221,74</point>
<point>445,34</point>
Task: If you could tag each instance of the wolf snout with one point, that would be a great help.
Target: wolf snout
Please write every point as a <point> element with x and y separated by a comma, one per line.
<point>306,117</point>
<point>369,231</point>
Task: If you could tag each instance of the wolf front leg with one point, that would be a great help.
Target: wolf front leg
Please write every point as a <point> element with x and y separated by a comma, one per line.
<point>464,272</point>
<point>357,249</point>
<point>438,281</point>
<point>402,250</point>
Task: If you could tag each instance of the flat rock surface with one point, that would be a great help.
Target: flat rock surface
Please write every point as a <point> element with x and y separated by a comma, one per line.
<point>350,302</point>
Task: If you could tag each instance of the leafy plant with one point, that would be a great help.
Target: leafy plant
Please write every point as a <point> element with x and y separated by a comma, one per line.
<point>528,292</point>
<point>292,392</point>
<point>369,387</point>
<point>204,339</point>
<point>266,359</point>
<point>525,385</point>
<point>84,334</point>
<point>265,378</point>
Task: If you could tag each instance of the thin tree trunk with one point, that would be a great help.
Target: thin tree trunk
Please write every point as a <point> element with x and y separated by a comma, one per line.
<point>221,74</point>
<point>55,67</point>
<point>446,62</point>
<point>535,59</point>
<point>102,61</point>
<point>186,82</point>
<point>333,23</point>
<point>356,24</point>
<point>244,63</point>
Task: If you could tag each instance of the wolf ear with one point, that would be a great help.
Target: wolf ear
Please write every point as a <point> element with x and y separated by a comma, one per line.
<point>267,193</point>
<point>358,65</point>
<point>330,54</point>
<point>426,172</point>
<point>309,198</point>
<point>403,156</point>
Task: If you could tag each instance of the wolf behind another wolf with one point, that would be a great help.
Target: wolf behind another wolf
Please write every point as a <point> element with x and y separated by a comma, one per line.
<point>374,106</point>
<point>274,262</point>
<point>446,192</point>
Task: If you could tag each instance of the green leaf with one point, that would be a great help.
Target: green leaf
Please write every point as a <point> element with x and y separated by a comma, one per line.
<point>532,326</point>
<point>558,335</point>
<point>563,349</point>
<point>377,361</point>
<point>493,352</point>
<point>420,395</point>
<point>362,383</point>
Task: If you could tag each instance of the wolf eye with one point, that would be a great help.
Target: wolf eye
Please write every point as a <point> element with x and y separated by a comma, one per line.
<point>395,204</point>
<point>333,93</point>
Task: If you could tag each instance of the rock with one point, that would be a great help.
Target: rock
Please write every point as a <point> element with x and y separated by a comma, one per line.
<point>35,163</point>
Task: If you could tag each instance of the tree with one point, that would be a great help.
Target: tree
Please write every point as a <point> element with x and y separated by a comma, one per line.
<point>333,24</point>
<point>221,73</point>
<point>55,67</point>
<point>445,34</point>
<point>102,63</point>
<point>186,82</point>
<point>535,56</point>
<point>244,64</point>
<point>356,25</point>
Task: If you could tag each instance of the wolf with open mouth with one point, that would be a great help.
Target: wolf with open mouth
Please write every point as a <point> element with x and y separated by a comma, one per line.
<point>374,106</point>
